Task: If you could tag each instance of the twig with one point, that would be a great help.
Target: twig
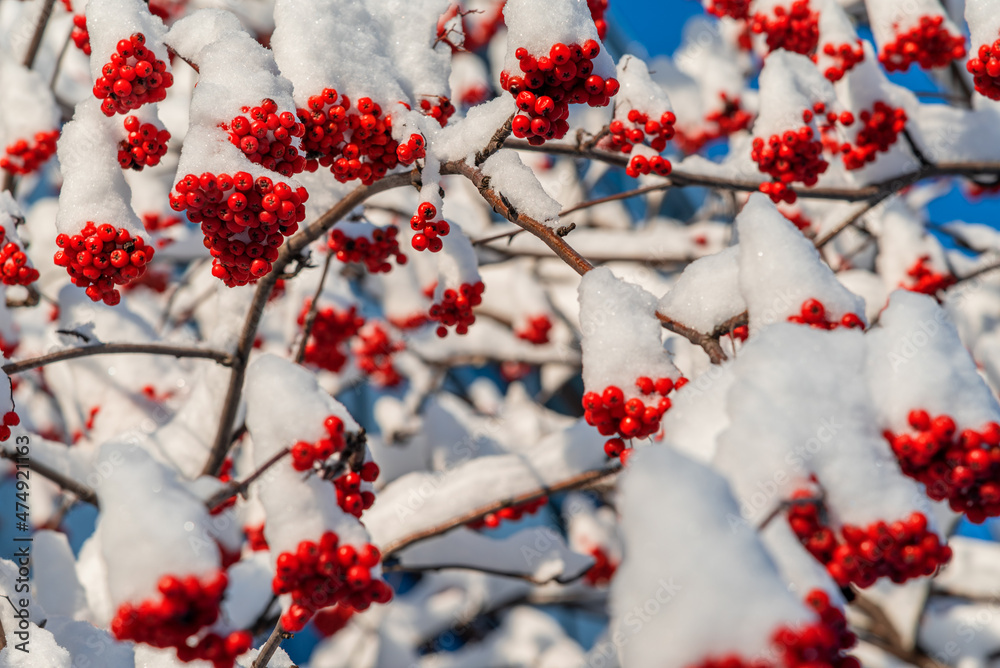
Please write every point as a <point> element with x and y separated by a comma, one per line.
<point>31,299</point>
<point>220,357</point>
<point>83,492</point>
<point>234,488</point>
<point>193,65</point>
<point>560,579</point>
<point>612,198</point>
<point>708,342</point>
<point>497,237</point>
<point>496,143</point>
<point>59,61</point>
<point>585,479</point>
<point>917,152</point>
<point>847,222</point>
<point>270,647</point>
<point>307,326</point>
<point>975,274</point>
<point>883,634</point>
<point>36,38</point>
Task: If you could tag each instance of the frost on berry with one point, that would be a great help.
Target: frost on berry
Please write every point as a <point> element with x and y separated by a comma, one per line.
<point>348,90</point>
<point>914,32</point>
<point>100,239</point>
<point>130,66</point>
<point>937,412</point>
<point>29,119</point>
<point>321,554</point>
<point>15,265</point>
<point>234,174</point>
<point>780,271</point>
<point>554,59</point>
<point>793,26</point>
<point>627,374</point>
<point>643,114</point>
<point>695,624</point>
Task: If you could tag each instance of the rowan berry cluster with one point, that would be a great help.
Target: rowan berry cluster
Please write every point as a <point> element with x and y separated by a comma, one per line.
<point>510,514</point>
<point>350,497</point>
<point>794,29</point>
<point>145,146</point>
<point>255,537</point>
<point>925,280</point>
<point>813,313</point>
<point>612,414</point>
<point>929,44</point>
<point>795,155</point>
<point>244,220</point>
<point>536,330</point>
<point>429,228</point>
<point>720,123</point>
<point>960,466</point>
<point>266,137</point>
<point>354,142</point>
<point>184,607</point>
<point>440,112</point>
<point>899,550</point>
<point>154,222</point>
<point>330,620</point>
<point>330,331</point>
<point>10,419</point>
<point>24,156</point>
<point>455,308</point>
<point>846,57</point>
<point>882,126</point>
<point>373,350</point>
<point>101,257</point>
<point>985,70</point>
<point>798,219</point>
<point>306,454</point>
<point>640,164</point>
<point>80,35</point>
<point>14,267</point>
<point>318,575</point>
<point>598,8</point>
<point>132,77</point>
<point>548,84</point>
<point>736,9</point>
<point>374,253</point>
<point>638,128</point>
<point>603,569</point>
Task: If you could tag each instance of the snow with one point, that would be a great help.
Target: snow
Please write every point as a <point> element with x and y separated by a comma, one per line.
<point>639,91</point>
<point>56,586</point>
<point>707,293</point>
<point>698,415</point>
<point>516,183</point>
<point>29,106</point>
<point>676,593</point>
<point>789,84</point>
<point>983,20</point>
<point>537,27</point>
<point>89,645</point>
<point>889,18</point>
<point>464,138</point>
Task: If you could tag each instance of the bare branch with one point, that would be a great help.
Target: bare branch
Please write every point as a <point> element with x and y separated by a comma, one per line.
<point>234,488</point>
<point>496,143</point>
<point>560,579</point>
<point>270,647</point>
<point>627,194</point>
<point>83,492</point>
<point>36,38</point>
<point>708,342</point>
<point>220,357</point>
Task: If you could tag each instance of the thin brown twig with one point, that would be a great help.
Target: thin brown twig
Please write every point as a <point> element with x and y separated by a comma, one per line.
<point>496,142</point>
<point>234,488</point>
<point>220,357</point>
<point>83,492</point>
<point>560,579</point>
<point>708,342</point>
<point>59,61</point>
<point>270,647</point>
<point>36,38</point>
<point>618,196</point>
<point>300,353</point>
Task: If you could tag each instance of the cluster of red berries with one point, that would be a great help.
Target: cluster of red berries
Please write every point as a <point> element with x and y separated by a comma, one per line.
<point>720,123</point>
<point>612,414</point>
<point>798,219</point>
<point>846,57</point>
<point>795,155</point>
<point>132,77</point>
<point>350,497</point>
<point>536,330</point>
<point>255,537</point>
<point>548,84</point>
<point>306,454</point>
<point>737,9</point>
<point>925,279</point>
<point>929,44</point>
<point>963,467</point>
<point>455,308</point>
<point>985,70</point>
<point>374,252</point>
<point>602,571</point>
<point>640,164</point>
<point>145,145</point>
<point>820,644</point>
<point>330,620</point>
<point>10,419</point>
<point>793,29</point>
<point>331,330</point>
<point>80,35</point>
<point>598,8</point>
<point>101,257</point>
<point>373,350</point>
<point>14,269</point>
<point>266,137</point>
<point>154,222</point>
<point>324,574</point>
<point>24,157</point>
<point>882,126</point>
<point>813,313</point>
<point>415,321</point>
<point>623,137</point>
<point>429,228</point>
<point>440,112</point>
<point>510,514</point>
<point>354,143</point>
<point>899,550</point>
<point>185,606</point>
<point>244,220</point>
